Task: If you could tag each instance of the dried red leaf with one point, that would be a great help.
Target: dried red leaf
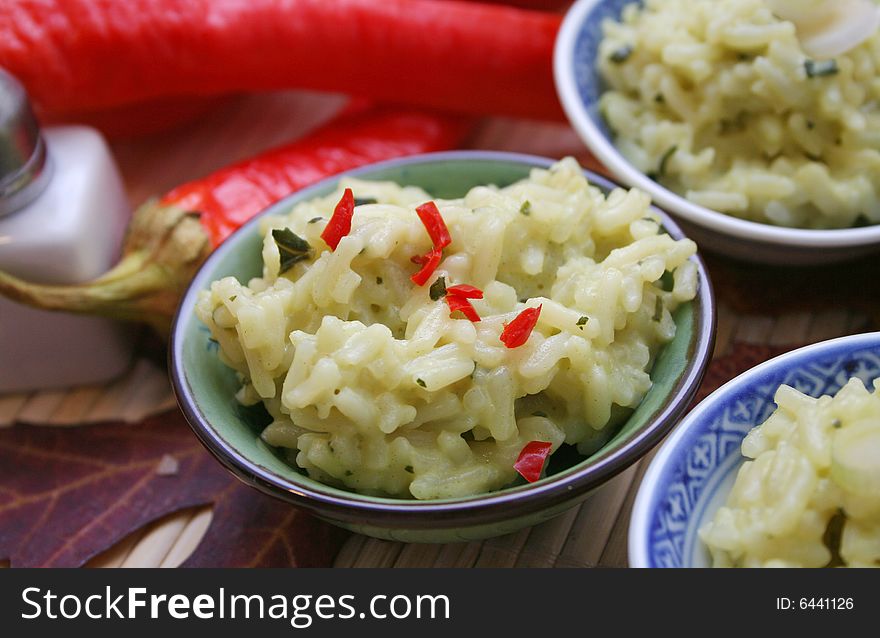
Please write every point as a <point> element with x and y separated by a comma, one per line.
<point>68,494</point>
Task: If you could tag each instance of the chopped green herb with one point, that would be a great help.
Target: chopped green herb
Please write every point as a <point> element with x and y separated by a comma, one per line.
<point>348,472</point>
<point>379,281</point>
<point>659,99</point>
<point>539,413</point>
<point>422,383</point>
<point>813,158</point>
<point>832,537</point>
<point>409,468</point>
<point>526,208</point>
<point>836,424</point>
<point>621,54</point>
<point>233,298</point>
<point>438,289</point>
<point>582,322</point>
<point>314,220</point>
<point>658,309</point>
<point>735,124</point>
<point>292,247</point>
<point>811,125</point>
<point>820,68</point>
<point>742,57</point>
<point>360,201</point>
<point>661,170</point>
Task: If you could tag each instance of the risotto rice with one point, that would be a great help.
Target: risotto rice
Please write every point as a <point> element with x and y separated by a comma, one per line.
<point>717,100</point>
<point>810,496</point>
<point>374,385</point>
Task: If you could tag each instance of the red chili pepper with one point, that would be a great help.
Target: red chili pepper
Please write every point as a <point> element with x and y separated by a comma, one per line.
<point>456,302</point>
<point>540,5</point>
<point>430,263</point>
<point>517,331</point>
<point>436,227</point>
<point>340,223</point>
<point>531,460</point>
<point>83,55</point>
<point>463,290</point>
<point>166,244</point>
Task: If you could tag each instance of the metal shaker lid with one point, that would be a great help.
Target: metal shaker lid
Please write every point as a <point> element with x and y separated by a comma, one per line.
<point>23,172</point>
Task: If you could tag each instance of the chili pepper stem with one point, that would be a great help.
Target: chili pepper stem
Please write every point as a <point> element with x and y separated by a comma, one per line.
<point>163,249</point>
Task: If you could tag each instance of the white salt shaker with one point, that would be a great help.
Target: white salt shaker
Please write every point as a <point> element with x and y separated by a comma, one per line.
<point>63,213</point>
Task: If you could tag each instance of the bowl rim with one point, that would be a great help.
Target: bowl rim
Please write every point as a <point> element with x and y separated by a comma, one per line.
<point>492,506</point>
<point>649,493</point>
<point>602,147</point>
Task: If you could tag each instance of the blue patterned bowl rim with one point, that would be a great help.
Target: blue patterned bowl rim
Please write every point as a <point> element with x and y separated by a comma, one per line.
<point>661,472</point>
<point>579,86</point>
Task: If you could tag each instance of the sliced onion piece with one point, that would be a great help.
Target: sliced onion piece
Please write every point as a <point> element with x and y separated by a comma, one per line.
<point>800,12</point>
<point>855,457</point>
<point>827,28</point>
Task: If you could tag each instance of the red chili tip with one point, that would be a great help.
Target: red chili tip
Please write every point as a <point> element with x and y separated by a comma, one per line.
<point>430,261</point>
<point>340,223</point>
<point>531,460</point>
<point>457,302</point>
<point>434,224</point>
<point>463,290</point>
<point>517,332</point>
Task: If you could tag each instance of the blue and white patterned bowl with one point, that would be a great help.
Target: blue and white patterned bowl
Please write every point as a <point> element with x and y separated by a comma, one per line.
<point>580,86</point>
<point>694,470</point>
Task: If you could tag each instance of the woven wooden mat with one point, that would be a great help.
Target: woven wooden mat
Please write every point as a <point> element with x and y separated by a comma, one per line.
<point>594,534</point>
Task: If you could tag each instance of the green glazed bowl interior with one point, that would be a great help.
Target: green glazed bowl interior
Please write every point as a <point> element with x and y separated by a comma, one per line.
<point>205,387</point>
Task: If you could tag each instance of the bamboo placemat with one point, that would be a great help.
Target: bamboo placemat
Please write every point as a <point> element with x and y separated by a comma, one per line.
<point>593,534</point>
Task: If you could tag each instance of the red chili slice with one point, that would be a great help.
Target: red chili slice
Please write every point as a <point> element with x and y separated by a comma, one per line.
<point>456,302</point>
<point>429,265</point>
<point>340,223</point>
<point>531,460</point>
<point>463,290</point>
<point>436,227</point>
<point>517,331</point>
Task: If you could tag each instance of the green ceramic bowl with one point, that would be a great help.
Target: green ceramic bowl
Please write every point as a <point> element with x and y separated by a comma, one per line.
<point>205,387</point>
